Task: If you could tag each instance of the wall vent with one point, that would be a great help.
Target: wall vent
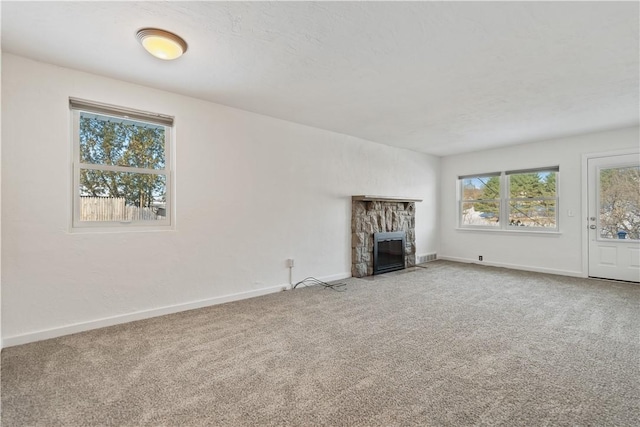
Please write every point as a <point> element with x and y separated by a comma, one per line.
<point>426,258</point>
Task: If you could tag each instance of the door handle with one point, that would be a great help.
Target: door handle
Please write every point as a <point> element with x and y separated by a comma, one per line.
<point>592,226</point>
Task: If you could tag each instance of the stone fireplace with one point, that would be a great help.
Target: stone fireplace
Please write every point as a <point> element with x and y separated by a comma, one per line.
<point>375,214</point>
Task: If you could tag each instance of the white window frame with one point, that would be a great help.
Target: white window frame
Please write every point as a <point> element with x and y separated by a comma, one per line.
<point>505,202</point>
<point>509,199</point>
<point>76,107</point>
<point>462,201</point>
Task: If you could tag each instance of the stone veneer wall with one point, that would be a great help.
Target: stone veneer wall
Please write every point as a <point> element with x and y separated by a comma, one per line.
<point>368,217</point>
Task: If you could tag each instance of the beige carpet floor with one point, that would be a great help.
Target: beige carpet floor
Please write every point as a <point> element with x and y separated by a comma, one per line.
<point>452,344</point>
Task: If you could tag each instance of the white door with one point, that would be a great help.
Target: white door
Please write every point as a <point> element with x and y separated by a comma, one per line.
<point>614,217</point>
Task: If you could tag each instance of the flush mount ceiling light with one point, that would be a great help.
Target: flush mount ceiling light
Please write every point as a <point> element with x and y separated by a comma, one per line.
<point>161,44</point>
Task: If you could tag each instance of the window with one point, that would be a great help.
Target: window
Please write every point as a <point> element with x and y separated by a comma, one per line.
<point>480,202</point>
<point>121,167</point>
<point>619,200</point>
<point>527,199</point>
<point>533,198</point>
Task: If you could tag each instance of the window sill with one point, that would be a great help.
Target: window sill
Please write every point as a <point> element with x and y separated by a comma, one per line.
<point>116,229</point>
<point>512,232</point>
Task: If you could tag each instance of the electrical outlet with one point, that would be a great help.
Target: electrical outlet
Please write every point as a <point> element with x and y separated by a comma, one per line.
<point>480,258</point>
<point>290,262</point>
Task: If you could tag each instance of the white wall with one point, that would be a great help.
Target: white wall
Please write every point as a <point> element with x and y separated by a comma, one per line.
<point>561,254</point>
<point>1,341</point>
<point>252,191</point>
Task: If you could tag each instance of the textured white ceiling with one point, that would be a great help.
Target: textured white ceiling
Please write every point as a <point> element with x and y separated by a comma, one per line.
<point>435,77</point>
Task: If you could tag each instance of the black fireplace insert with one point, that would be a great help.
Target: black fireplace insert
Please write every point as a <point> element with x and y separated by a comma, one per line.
<point>388,251</point>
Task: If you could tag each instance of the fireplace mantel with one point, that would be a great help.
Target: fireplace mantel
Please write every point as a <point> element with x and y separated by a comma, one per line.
<point>383,199</point>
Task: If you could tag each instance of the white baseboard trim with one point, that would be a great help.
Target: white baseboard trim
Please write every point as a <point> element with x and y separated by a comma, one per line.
<point>131,317</point>
<point>333,277</point>
<point>514,266</point>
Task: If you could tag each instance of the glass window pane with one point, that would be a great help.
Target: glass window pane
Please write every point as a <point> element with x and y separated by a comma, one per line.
<point>119,142</point>
<point>481,213</point>
<point>532,185</point>
<point>122,196</point>
<point>481,188</point>
<point>534,213</point>
<point>620,203</point>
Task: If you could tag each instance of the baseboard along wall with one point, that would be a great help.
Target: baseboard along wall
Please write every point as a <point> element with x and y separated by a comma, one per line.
<point>514,266</point>
<point>146,314</point>
<point>131,317</point>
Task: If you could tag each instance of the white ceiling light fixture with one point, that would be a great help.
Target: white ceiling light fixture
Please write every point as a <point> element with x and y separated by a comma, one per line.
<point>161,44</point>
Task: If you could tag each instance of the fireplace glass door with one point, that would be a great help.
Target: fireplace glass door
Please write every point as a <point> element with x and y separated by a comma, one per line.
<point>388,252</point>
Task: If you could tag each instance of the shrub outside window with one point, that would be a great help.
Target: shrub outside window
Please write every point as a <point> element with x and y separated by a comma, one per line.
<point>121,173</point>
<point>523,200</point>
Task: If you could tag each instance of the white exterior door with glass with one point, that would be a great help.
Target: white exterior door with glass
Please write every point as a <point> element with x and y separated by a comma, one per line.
<point>614,217</point>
